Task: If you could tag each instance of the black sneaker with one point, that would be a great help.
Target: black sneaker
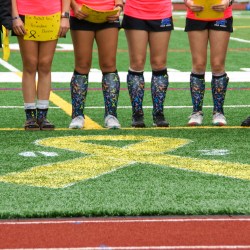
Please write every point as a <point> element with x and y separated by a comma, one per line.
<point>246,123</point>
<point>160,121</point>
<point>31,124</point>
<point>138,121</point>
<point>45,124</point>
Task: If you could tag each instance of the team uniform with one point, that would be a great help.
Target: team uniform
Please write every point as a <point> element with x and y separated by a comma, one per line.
<point>110,80</point>
<point>218,83</point>
<point>36,110</point>
<point>149,16</point>
<point>223,24</point>
<point>76,24</point>
<point>37,8</point>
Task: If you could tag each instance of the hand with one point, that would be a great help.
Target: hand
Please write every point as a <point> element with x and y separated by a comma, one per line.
<point>195,8</point>
<point>115,17</point>
<point>18,27</point>
<point>222,6</point>
<point>78,12</point>
<point>64,27</point>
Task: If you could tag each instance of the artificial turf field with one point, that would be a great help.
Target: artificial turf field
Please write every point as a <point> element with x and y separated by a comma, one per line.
<point>99,172</point>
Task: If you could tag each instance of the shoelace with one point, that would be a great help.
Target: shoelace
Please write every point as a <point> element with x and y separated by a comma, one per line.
<point>195,115</point>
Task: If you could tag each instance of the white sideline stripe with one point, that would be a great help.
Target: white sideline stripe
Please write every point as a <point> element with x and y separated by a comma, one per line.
<point>145,107</point>
<point>104,247</point>
<point>239,40</point>
<point>8,66</point>
<point>20,107</point>
<point>104,221</point>
<point>95,76</point>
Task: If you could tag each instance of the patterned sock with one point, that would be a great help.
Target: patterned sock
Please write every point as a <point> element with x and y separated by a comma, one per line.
<point>41,114</point>
<point>197,89</point>
<point>30,114</point>
<point>219,89</point>
<point>30,110</point>
<point>78,89</point>
<point>111,89</point>
<point>136,85</point>
<point>159,85</point>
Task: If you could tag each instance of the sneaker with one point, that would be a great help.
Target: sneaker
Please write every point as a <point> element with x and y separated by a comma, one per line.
<point>138,121</point>
<point>111,122</point>
<point>160,121</point>
<point>31,124</point>
<point>77,122</point>
<point>45,124</point>
<point>219,119</point>
<point>246,123</point>
<point>195,119</point>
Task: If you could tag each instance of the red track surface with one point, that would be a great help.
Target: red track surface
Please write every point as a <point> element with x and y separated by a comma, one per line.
<point>127,233</point>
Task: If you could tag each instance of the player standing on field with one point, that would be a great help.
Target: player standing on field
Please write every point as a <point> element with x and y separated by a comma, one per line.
<point>37,56</point>
<point>204,31</point>
<point>84,33</point>
<point>148,23</point>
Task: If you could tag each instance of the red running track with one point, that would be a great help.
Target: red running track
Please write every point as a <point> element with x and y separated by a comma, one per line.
<point>212,232</point>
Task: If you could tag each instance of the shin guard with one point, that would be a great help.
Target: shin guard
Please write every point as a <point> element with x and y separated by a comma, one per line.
<point>159,85</point>
<point>136,85</point>
<point>197,89</point>
<point>219,89</point>
<point>111,89</point>
<point>78,89</point>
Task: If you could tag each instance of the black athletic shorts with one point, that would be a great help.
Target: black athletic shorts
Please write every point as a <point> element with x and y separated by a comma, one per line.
<point>76,24</point>
<point>223,25</point>
<point>165,24</point>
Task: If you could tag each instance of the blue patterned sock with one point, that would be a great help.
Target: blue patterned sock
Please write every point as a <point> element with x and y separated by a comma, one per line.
<point>219,89</point>
<point>30,114</point>
<point>41,114</point>
<point>111,89</point>
<point>78,89</point>
<point>159,85</point>
<point>136,85</point>
<point>197,89</point>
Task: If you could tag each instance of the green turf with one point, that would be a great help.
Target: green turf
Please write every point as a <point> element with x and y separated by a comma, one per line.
<point>137,189</point>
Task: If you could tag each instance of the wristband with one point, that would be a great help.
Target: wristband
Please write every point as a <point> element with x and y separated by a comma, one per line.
<point>65,14</point>
<point>15,18</point>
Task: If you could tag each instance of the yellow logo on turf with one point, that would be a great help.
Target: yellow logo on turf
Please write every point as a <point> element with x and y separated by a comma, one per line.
<point>101,159</point>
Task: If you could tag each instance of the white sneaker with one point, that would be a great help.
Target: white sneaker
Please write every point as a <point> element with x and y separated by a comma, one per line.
<point>77,122</point>
<point>219,119</point>
<point>195,119</point>
<point>111,122</point>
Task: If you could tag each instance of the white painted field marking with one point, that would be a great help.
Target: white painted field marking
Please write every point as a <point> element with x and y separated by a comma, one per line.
<point>125,220</point>
<point>96,76</point>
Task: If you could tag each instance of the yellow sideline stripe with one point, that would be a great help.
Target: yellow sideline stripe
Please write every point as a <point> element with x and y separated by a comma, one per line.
<point>242,27</point>
<point>66,107</point>
<point>151,128</point>
<point>102,159</point>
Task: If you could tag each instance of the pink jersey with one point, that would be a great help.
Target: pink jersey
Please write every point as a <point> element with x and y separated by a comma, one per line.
<point>38,7</point>
<point>97,4</point>
<point>148,9</point>
<point>227,14</point>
